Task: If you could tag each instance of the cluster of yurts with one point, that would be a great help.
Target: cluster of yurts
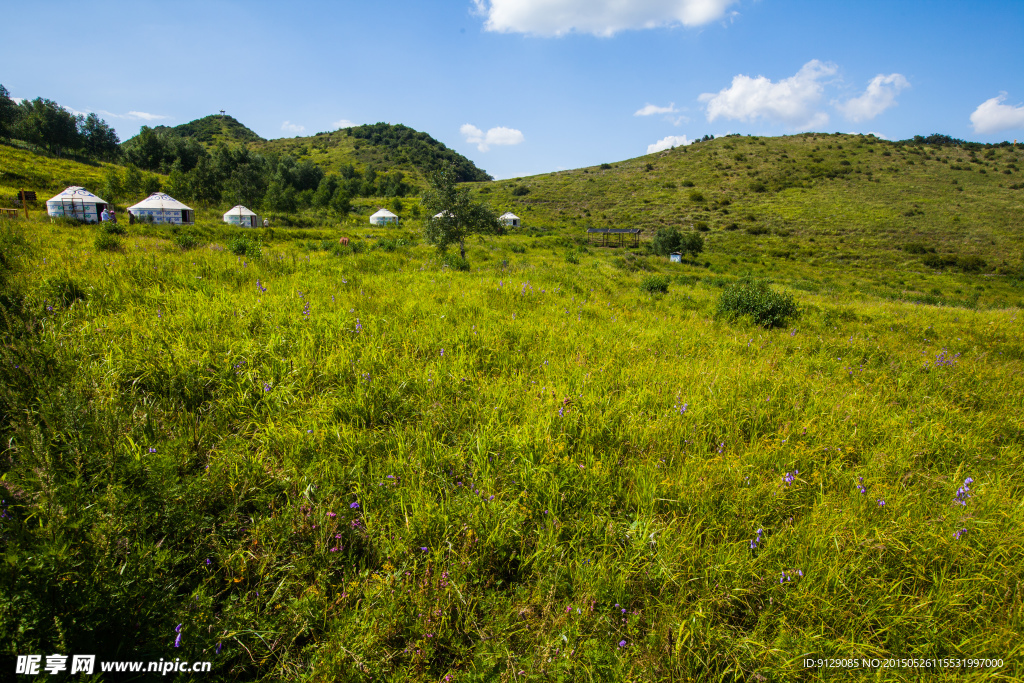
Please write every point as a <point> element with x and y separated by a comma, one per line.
<point>159,207</point>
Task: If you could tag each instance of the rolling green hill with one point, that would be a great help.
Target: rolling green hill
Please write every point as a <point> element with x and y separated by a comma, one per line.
<point>821,202</point>
<point>212,130</point>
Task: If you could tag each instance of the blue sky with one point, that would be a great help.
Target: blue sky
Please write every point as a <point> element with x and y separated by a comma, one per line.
<point>530,86</point>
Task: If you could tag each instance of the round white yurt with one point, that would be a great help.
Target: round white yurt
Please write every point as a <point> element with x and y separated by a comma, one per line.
<point>443,214</point>
<point>510,219</point>
<point>76,202</point>
<point>160,207</point>
<point>383,217</point>
<point>239,215</point>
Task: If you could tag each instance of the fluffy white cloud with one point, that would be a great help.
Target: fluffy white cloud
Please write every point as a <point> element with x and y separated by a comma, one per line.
<point>343,123</point>
<point>992,116</point>
<point>879,96</point>
<point>651,109</point>
<point>290,127</point>
<point>791,101</point>
<point>493,137</point>
<point>597,17</point>
<point>667,143</point>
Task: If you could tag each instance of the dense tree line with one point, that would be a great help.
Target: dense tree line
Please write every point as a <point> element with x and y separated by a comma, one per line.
<point>48,125</point>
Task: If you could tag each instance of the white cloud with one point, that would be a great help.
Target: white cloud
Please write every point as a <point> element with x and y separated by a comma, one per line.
<point>17,100</point>
<point>667,143</point>
<point>290,127</point>
<point>879,96</point>
<point>597,17</point>
<point>879,135</point>
<point>791,101</point>
<point>343,123</point>
<point>133,115</point>
<point>651,109</point>
<point>992,116</point>
<point>493,137</point>
<point>145,116</point>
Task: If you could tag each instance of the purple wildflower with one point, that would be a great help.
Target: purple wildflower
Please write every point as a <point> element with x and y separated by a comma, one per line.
<point>622,643</point>
<point>354,506</point>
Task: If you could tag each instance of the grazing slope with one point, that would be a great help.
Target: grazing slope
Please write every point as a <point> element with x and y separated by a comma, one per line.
<point>827,201</point>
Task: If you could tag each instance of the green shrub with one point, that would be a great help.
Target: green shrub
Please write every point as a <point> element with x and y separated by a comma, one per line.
<point>186,241</point>
<point>756,299</point>
<point>757,230</point>
<point>572,256</point>
<point>654,284</point>
<point>701,226</point>
<point>108,242</point>
<point>455,262</point>
<point>520,190</point>
<point>244,245</point>
<point>113,228</point>
<point>358,247</point>
<point>696,196</point>
<point>517,249</point>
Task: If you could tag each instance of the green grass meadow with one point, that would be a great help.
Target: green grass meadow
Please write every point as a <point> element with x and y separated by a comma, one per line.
<point>356,464</point>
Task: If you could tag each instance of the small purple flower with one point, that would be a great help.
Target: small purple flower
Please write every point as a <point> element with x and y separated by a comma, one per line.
<point>218,648</point>
<point>622,643</point>
<point>208,562</point>
<point>442,353</point>
<point>152,450</point>
<point>881,503</point>
<point>354,506</point>
<point>960,533</point>
<point>425,549</point>
<point>331,515</point>
<point>266,387</point>
<point>177,640</point>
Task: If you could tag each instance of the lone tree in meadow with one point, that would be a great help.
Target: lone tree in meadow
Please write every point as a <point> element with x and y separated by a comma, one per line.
<point>457,216</point>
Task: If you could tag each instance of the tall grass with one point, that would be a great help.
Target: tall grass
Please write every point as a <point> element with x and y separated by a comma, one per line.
<point>342,466</point>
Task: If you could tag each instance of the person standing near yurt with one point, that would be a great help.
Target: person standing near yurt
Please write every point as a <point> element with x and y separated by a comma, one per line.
<point>104,215</point>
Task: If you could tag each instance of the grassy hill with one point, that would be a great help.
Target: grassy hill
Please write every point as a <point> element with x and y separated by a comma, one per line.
<point>381,146</point>
<point>213,130</point>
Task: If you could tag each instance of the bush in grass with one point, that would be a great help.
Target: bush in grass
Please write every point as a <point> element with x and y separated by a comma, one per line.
<point>669,239</point>
<point>455,262</point>
<point>186,241</point>
<point>517,249</point>
<point>756,299</point>
<point>244,245</point>
<point>654,284</point>
<point>108,242</point>
<point>572,256</point>
<point>112,228</point>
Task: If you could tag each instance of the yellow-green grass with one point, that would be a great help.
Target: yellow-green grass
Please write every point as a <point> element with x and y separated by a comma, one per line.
<point>633,445</point>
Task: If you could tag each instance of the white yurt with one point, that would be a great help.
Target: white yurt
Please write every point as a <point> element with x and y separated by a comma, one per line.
<point>76,202</point>
<point>160,207</point>
<point>383,217</point>
<point>510,219</point>
<point>239,215</point>
<point>443,214</point>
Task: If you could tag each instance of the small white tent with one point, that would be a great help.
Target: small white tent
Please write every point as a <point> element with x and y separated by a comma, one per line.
<point>239,215</point>
<point>510,219</point>
<point>383,217</point>
<point>76,202</point>
<point>163,208</point>
<point>443,214</point>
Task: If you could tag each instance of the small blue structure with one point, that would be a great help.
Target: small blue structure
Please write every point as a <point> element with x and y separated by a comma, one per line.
<point>675,257</point>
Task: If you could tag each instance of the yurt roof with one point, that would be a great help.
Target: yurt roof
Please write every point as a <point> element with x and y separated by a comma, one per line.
<point>160,200</point>
<point>442,214</point>
<point>80,193</point>
<point>239,211</point>
<point>383,213</point>
<point>509,214</point>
